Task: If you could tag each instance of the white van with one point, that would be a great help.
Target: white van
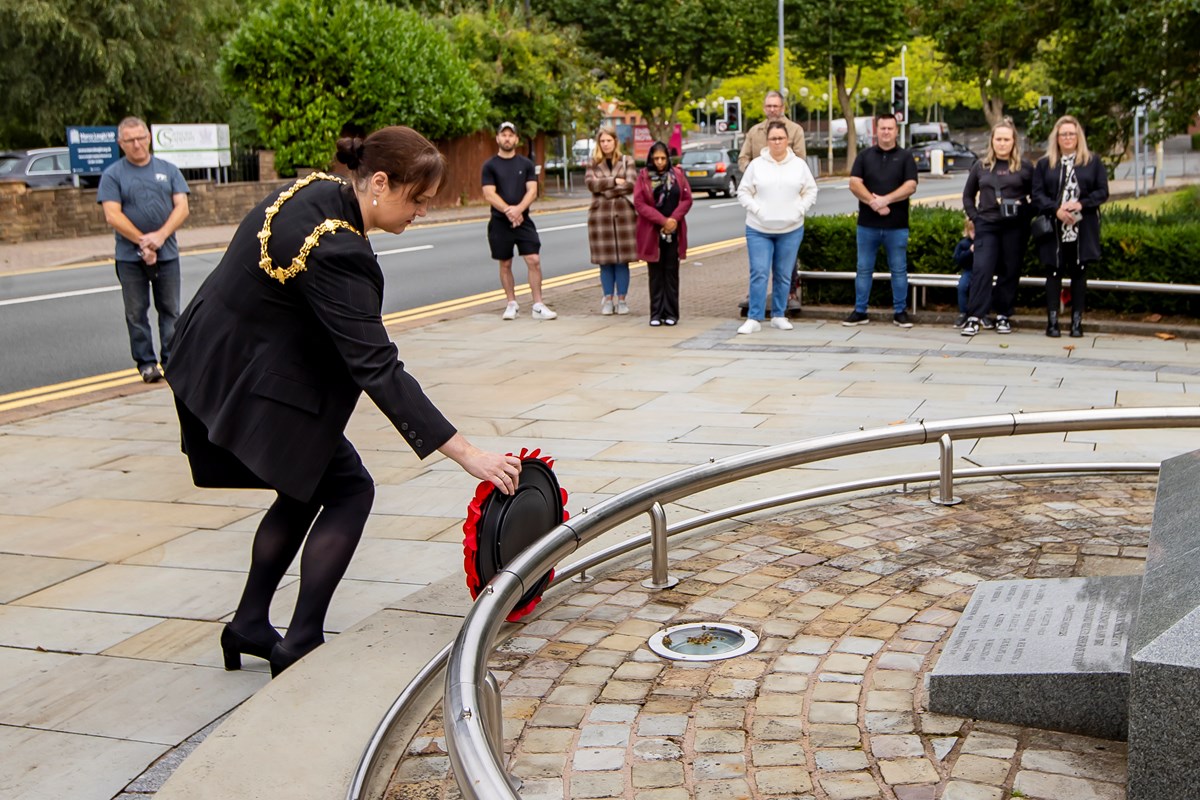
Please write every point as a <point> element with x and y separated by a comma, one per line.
<point>863,126</point>
<point>581,151</point>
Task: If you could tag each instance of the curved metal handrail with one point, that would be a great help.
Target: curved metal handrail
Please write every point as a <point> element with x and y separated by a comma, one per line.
<point>478,767</point>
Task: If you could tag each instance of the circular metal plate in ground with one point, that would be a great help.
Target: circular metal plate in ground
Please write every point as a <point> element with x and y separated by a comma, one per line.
<point>703,641</point>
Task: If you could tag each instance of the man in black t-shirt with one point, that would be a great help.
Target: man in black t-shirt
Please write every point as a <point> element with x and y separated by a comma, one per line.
<point>510,185</point>
<point>883,177</point>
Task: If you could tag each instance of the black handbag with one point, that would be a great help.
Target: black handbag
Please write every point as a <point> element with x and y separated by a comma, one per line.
<point>1042,228</point>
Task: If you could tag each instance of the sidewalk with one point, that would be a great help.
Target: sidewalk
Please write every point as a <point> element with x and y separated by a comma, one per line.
<point>116,573</point>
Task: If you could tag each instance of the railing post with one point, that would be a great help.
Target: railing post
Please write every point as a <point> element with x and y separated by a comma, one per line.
<point>493,717</point>
<point>945,496</point>
<point>659,578</point>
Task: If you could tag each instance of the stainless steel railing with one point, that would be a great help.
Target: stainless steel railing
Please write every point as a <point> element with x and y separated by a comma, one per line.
<point>470,699</point>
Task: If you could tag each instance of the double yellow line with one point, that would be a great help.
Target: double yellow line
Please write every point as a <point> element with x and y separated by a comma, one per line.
<point>62,391</point>
<point>109,380</point>
<point>496,295</point>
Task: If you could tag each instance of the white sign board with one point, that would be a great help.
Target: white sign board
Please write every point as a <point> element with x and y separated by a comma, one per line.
<point>192,146</point>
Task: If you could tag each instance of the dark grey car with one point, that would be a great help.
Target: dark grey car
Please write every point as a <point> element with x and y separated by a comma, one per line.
<point>45,166</point>
<point>713,171</point>
<point>955,157</point>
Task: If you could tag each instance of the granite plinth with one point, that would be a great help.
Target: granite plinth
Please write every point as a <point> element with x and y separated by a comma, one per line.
<point>1050,654</point>
<point>1164,706</point>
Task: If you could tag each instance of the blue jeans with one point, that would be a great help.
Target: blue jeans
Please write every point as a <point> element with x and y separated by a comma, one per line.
<point>964,286</point>
<point>895,244</point>
<point>773,255</point>
<point>137,280</point>
<point>614,277</point>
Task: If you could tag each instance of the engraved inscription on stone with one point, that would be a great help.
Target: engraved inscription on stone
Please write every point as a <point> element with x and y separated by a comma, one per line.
<point>1044,626</point>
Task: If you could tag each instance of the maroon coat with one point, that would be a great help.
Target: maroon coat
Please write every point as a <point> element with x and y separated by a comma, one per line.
<point>612,222</point>
<point>650,222</point>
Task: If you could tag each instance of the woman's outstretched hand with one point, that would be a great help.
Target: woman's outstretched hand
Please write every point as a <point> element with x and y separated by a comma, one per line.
<point>501,471</point>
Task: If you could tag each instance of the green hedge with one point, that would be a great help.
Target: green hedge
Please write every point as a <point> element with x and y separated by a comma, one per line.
<point>1159,248</point>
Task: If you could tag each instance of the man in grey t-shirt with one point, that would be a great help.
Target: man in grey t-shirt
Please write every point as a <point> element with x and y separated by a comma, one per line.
<point>145,200</point>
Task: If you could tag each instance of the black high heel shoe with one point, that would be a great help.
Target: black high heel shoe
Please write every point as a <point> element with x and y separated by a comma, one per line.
<point>282,657</point>
<point>234,644</point>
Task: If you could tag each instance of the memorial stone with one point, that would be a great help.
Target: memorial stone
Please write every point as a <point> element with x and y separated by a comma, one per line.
<point>1050,654</point>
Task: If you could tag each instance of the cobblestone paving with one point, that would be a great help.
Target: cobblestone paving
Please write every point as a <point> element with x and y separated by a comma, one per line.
<point>853,602</point>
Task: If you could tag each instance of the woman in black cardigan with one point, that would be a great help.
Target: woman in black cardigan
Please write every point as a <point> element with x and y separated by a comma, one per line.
<point>1069,185</point>
<point>268,363</point>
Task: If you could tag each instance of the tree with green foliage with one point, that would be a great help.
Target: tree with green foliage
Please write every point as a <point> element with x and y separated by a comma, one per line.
<point>988,41</point>
<point>1106,52</point>
<point>310,69</point>
<point>662,55</point>
<point>537,76</point>
<point>92,62</point>
<point>843,38</point>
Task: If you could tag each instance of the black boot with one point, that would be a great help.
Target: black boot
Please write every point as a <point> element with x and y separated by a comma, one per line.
<point>1052,324</point>
<point>1076,324</point>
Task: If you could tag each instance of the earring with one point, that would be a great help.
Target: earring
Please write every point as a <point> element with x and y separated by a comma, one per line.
<point>375,201</point>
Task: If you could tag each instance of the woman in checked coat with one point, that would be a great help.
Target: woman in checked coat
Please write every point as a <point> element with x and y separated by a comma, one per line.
<point>612,222</point>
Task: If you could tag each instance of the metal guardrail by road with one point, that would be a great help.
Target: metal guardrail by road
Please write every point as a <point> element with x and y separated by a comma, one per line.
<point>471,700</point>
<point>925,280</point>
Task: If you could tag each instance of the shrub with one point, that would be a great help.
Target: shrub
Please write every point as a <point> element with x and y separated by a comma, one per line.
<point>1136,246</point>
<point>310,68</point>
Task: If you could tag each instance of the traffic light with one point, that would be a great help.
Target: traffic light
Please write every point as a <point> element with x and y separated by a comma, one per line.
<point>733,115</point>
<point>900,99</point>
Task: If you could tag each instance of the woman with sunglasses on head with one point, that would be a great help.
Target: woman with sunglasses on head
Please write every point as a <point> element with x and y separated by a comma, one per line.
<point>612,222</point>
<point>270,358</point>
<point>662,199</point>
<point>1069,186</point>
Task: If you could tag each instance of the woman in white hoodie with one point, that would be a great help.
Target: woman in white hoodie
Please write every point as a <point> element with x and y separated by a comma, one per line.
<point>777,190</point>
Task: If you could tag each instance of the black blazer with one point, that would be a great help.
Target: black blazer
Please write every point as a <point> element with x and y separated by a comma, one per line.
<point>1047,196</point>
<point>270,372</point>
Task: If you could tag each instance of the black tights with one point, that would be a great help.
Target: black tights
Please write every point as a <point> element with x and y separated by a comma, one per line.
<point>340,509</point>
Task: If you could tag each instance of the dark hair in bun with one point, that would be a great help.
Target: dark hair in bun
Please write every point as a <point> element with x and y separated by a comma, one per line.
<point>350,151</point>
<point>399,152</point>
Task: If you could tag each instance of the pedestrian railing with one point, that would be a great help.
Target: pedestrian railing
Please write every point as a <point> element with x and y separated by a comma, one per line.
<point>471,702</point>
<point>924,280</point>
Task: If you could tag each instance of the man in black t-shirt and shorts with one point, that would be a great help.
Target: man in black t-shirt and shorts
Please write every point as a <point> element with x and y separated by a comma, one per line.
<point>883,177</point>
<point>510,185</point>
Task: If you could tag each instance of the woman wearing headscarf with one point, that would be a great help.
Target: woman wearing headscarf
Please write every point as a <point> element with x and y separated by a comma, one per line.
<point>1069,185</point>
<point>662,199</point>
<point>269,360</point>
<point>612,222</point>
<point>995,197</point>
<point>777,191</point>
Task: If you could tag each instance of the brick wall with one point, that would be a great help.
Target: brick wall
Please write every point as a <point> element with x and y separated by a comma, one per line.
<point>29,215</point>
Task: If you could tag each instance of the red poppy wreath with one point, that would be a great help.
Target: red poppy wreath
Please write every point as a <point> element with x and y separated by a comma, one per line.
<point>500,526</point>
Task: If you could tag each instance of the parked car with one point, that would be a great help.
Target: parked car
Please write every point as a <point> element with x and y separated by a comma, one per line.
<point>712,171</point>
<point>920,133</point>
<point>956,157</point>
<point>46,166</point>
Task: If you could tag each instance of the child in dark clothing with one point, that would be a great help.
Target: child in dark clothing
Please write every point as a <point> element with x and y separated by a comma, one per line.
<point>964,257</point>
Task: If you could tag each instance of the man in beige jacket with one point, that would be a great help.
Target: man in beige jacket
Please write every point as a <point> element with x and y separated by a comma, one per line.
<point>756,137</point>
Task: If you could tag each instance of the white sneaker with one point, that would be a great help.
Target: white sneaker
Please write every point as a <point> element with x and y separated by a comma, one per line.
<point>540,311</point>
<point>511,311</point>
<point>781,323</point>
<point>750,326</point>
<point>622,308</point>
<point>606,308</point>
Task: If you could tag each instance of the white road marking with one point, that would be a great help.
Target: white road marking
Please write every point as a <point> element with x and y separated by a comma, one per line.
<point>16,301</point>
<point>725,205</point>
<point>562,227</point>
<point>404,250</point>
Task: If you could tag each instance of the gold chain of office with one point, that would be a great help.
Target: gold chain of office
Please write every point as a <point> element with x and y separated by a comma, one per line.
<point>300,262</point>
